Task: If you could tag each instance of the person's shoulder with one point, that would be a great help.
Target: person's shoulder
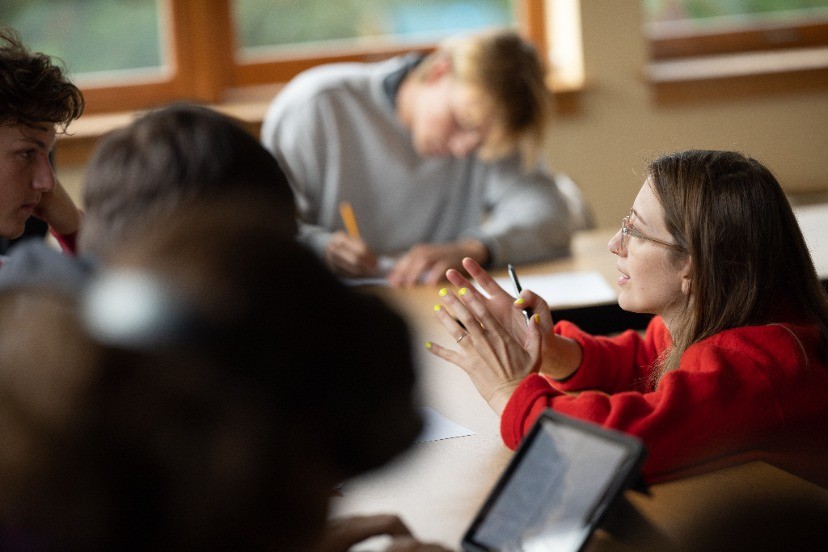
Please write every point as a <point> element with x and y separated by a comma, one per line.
<point>775,344</point>
<point>335,78</point>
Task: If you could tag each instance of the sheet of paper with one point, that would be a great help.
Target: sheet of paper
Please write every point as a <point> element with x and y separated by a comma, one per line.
<point>437,427</point>
<point>566,289</point>
<point>384,266</point>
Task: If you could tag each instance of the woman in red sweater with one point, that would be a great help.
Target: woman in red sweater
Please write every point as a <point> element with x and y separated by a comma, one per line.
<point>734,365</point>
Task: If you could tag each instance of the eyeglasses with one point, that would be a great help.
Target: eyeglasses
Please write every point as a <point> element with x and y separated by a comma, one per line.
<point>627,230</point>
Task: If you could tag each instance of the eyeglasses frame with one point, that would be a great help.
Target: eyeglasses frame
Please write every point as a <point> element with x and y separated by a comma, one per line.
<point>627,230</point>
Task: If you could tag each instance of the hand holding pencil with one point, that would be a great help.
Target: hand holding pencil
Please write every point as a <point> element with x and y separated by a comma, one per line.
<point>346,252</point>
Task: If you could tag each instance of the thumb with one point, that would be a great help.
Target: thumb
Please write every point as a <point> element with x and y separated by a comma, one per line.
<point>534,341</point>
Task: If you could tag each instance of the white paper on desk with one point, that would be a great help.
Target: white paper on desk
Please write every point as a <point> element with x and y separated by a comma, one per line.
<point>566,289</point>
<point>384,266</point>
<point>437,427</point>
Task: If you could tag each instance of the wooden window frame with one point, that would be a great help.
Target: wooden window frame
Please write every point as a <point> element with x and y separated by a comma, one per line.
<point>680,41</point>
<point>769,58</point>
<point>203,67</point>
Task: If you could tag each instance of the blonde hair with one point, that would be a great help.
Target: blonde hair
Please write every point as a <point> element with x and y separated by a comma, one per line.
<point>510,72</point>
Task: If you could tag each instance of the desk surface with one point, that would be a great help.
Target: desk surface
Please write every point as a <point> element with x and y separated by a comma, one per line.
<point>438,486</point>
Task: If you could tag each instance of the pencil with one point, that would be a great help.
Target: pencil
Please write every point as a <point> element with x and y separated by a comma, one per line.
<point>347,214</point>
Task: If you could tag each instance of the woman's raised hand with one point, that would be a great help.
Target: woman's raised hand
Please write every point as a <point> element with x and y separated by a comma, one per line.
<point>497,347</point>
<point>488,352</point>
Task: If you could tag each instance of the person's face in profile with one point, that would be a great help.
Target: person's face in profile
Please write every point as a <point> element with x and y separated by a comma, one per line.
<point>650,280</point>
<point>25,173</point>
<point>449,117</point>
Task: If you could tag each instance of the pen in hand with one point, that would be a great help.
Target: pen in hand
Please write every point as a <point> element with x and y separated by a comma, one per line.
<point>518,289</point>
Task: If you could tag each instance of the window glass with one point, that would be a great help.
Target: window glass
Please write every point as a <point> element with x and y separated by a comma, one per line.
<point>705,13</point>
<point>94,38</point>
<point>267,26</point>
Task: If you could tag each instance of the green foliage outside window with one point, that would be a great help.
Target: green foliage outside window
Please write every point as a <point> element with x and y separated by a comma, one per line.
<point>264,23</point>
<point>702,10</point>
<point>90,35</point>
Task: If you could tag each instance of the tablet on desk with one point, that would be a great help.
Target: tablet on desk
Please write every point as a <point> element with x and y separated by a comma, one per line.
<point>556,488</point>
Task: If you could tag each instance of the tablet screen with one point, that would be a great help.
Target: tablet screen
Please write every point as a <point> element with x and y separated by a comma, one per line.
<point>556,487</point>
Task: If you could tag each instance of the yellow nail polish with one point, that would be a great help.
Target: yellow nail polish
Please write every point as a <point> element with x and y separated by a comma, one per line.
<point>463,291</point>
<point>536,317</point>
<point>443,292</point>
<point>428,344</point>
<point>519,301</point>
<point>437,308</point>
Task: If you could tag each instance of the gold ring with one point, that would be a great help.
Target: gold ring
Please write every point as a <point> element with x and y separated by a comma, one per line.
<point>459,339</point>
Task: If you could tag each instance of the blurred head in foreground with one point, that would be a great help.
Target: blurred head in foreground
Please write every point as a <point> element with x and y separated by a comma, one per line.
<point>199,394</point>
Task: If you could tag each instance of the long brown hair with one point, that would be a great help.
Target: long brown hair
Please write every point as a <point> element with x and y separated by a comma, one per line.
<point>750,263</point>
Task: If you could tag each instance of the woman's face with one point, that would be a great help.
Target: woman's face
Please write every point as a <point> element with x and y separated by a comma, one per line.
<point>650,281</point>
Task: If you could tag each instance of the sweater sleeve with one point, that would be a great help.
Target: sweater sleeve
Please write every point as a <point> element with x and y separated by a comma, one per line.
<point>618,363</point>
<point>528,218</point>
<point>718,403</point>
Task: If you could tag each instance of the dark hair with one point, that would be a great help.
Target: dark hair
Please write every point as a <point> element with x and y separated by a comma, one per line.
<point>168,158</point>
<point>33,91</point>
<point>750,263</point>
<point>288,317</point>
<point>230,428</point>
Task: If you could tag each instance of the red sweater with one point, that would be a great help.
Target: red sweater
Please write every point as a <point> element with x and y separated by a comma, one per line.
<point>755,392</point>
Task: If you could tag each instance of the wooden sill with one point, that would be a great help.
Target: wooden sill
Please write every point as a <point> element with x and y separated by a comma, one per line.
<point>247,104</point>
<point>736,76</point>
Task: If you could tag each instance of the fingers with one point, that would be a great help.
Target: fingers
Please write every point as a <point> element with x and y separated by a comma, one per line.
<point>456,277</point>
<point>426,264</point>
<point>456,324</point>
<point>535,305</point>
<point>483,279</point>
<point>534,339</point>
<point>409,270</point>
<point>342,533</point>
<point>58,209</point>
<point>410,544</point>
<point>350,256</point>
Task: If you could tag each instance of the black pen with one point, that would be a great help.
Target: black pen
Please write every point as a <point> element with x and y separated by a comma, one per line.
<point>516,285</point>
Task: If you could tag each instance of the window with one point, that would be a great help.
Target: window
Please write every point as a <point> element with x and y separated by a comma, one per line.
<point>133,54</point>
<point>98,37</point>
<point>267,27</point>
<point>681,28</point>
<point>726,49</point>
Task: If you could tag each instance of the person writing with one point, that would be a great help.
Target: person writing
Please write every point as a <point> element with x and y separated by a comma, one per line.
<point>437,156</point>
<point>733,366</point>
<point>36,102</point>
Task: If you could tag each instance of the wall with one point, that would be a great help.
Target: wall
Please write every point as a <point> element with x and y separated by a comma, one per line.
<point>605,143</point>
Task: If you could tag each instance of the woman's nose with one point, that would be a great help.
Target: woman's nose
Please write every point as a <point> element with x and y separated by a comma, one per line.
<point>615,244</point>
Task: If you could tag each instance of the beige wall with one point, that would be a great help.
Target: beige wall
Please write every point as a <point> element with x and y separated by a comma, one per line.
<point>618,127</point>
<point>606,142</point>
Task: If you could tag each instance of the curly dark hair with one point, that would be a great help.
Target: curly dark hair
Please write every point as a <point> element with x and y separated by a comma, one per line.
<point>33,90</point>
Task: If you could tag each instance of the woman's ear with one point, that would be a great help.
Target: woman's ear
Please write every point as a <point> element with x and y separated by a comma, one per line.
<point>685,275</point>
<point>440,67</point>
